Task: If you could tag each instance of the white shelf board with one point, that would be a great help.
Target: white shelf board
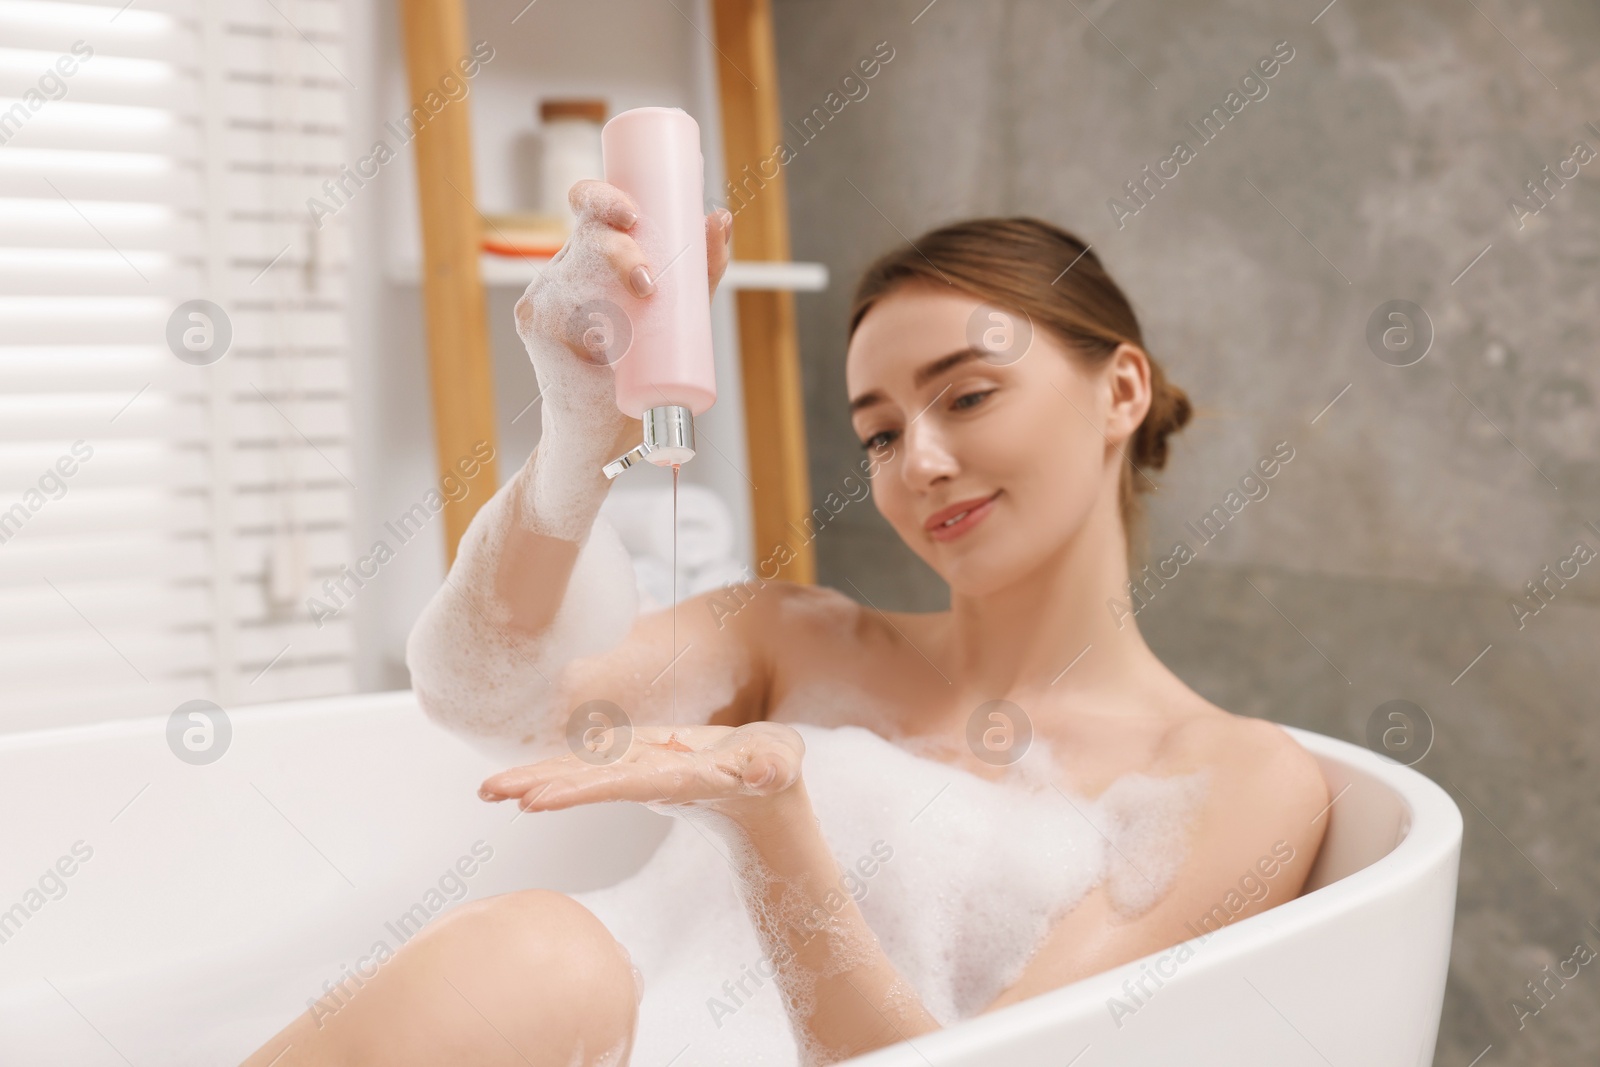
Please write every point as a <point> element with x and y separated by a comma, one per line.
<point>741,274</point>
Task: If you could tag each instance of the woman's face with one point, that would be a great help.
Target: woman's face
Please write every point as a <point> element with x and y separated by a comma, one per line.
<point>967,409</point>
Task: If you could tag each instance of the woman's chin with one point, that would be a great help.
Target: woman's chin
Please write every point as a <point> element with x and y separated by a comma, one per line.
<point>976,574</point>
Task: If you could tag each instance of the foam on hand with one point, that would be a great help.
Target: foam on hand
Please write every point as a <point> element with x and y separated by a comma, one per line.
<point>959,879</point>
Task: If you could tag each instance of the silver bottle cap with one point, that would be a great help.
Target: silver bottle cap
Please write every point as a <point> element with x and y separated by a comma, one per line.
<point>668,439</point>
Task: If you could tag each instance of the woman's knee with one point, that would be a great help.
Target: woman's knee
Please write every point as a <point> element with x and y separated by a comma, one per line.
<point>531,976</point>
<point>545,965</point>
<point>535,931</point>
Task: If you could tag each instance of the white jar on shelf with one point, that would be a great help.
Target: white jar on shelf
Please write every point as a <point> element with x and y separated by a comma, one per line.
<point>571,143</point>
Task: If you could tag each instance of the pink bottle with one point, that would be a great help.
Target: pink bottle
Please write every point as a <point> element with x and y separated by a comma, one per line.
<point>666,376</point>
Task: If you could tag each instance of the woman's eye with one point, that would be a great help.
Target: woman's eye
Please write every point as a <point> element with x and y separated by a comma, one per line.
<point>961,401</point>
<point>880,439</point>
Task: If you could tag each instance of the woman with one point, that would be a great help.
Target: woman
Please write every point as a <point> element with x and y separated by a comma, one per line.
<point>998,381</point>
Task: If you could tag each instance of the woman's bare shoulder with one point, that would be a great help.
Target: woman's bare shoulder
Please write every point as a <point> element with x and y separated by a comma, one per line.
<point>1256,759</point>
<point>784,606</point>
<point>1265,790</point>
<point>807,598</point>
<point>811,614</point>
<point>788,623</point>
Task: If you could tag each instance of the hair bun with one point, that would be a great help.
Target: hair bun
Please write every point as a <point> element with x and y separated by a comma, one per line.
<point>1169,412</point>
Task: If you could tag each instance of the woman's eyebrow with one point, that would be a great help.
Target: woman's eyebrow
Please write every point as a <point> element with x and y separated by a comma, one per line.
<point>924,374</point>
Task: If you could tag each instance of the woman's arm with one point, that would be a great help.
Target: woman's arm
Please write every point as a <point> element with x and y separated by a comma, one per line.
<point>537,613</point>
<point>488,652</point>
<point>844,997</point>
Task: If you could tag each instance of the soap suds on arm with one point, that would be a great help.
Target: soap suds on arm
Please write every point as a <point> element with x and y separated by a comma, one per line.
<point>497,684</point>
<point>509,686</point>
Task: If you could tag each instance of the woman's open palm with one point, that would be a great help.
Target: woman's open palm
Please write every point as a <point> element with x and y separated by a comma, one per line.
<point>725,769</point>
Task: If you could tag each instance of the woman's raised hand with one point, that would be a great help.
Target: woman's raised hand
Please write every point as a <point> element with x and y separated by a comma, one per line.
<point>574,317</point>
<point>733,771</point>
<point>600,261</point>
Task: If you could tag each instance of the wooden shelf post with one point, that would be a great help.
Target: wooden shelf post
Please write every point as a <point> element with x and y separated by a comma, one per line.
<point>458,339</point>
<point>769,347</point>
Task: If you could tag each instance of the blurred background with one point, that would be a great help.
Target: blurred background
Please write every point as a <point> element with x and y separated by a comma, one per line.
<point>181,528</point>
<point>1389,161</point>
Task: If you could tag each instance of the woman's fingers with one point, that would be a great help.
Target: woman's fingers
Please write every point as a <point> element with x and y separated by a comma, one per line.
<point>517,781</point>
<point>656,775</point>
<point>661,765</point>
<point>719,245</point>
<point>607,204</point>
<point>628,261</point>
<point>604,202</point>
<point>601,202</point>
<point>597,329</point>
<point>767,756</point>
<point>660,781</point>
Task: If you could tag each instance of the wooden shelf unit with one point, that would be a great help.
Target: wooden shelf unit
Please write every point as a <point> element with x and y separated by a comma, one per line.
<point>453,273</point>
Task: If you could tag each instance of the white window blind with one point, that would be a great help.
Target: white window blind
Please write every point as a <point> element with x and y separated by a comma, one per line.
<point>162,523</point>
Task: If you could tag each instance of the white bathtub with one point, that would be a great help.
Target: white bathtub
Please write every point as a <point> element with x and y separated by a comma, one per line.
<point>216,900</point>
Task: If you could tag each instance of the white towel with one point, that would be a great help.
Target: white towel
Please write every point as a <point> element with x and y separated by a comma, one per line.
<point>643,519</point>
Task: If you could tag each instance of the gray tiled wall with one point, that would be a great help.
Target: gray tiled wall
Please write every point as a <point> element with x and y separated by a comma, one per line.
<point>1379,166</point>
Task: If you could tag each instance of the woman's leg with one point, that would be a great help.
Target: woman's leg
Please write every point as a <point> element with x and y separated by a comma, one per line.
<point>523,979</point>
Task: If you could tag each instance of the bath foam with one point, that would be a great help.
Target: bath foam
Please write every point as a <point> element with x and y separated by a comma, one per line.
<point>978,874</point>
<point>980,869</point>
<point>1035,769</point>
<point>1151,820</point>
<point>494,687</point>
<point>685,927</point>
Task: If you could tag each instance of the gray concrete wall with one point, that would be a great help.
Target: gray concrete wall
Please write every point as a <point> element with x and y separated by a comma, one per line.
<point>1388,555</point>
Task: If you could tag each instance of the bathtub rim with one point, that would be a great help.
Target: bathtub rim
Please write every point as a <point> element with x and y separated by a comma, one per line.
<point>1429,851</point>
<point>1431,841</point>
<point>156,725</point>
<point>1426,803</point>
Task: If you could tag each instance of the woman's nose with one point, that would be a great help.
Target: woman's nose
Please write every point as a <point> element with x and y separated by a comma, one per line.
<point>928,457</point>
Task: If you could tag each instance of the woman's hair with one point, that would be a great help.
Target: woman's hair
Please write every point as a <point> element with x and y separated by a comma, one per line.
<point>1027,265</point>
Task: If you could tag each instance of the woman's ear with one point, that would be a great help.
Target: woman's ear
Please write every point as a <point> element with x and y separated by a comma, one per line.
<point>1127,373</point>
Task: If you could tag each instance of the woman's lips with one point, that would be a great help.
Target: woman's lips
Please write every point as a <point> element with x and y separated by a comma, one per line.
<point>975,511</point>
